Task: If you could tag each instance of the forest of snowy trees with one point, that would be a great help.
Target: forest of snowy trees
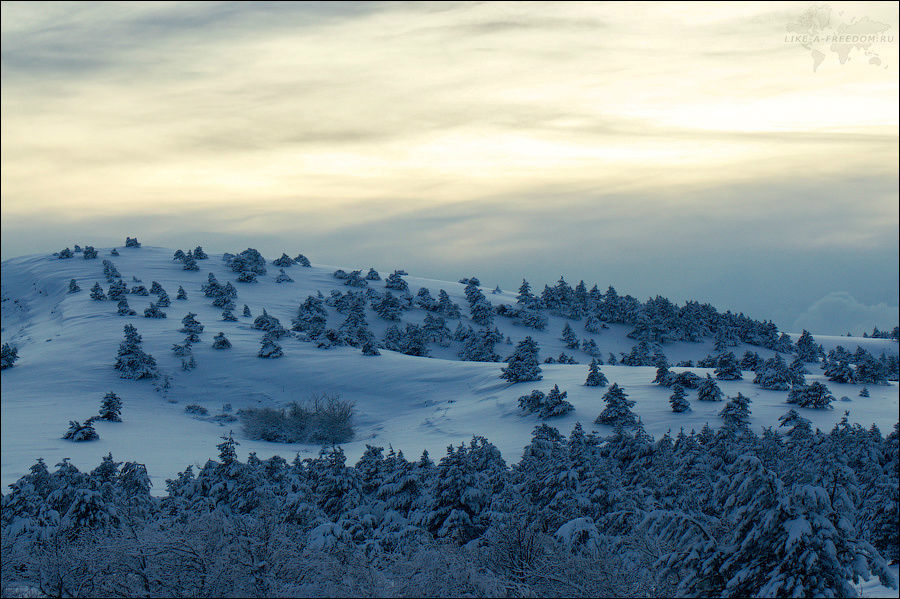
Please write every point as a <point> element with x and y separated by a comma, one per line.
<point>793,512</point>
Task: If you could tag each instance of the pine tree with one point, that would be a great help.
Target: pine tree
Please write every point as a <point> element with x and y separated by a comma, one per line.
<point>153,311</point>
<point>111,408</point>
<point>569,337</point>
<point>618,408</point>
<point>132,362</point>
<point>220,341</point>
<point>90,253</point>
<point>595,378</point>
<point>728,368</point>
<point>191,326</point>
<point>182,294</point>
<point>97,292</point>
<point>123,309</point>
<point>73,286</point>
<point>283,277</point>
<point>373,275</point>
<point>523,363</point>
<point>394,281</point>
<point>815,395</point>
<point>525,297</point>
<point>708,390</point>
<point>864,392</point>
<point>839,371</point>
<point>807,349</point>
<point>736,413</point>
<point>246,313</point>
<point>228,315</point>
<point>269,348</point>
<point>80,432</point>
<point>283,262</point>
<point>8,356</point>
<point>678,399</point>
<point>163,301</point>
<point>555,404</point>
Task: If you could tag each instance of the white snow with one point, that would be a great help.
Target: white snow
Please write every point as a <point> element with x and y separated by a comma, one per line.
<point>67,346</point>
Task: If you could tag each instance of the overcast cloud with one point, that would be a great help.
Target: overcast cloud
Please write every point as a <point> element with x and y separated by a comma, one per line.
<point>676,149</point>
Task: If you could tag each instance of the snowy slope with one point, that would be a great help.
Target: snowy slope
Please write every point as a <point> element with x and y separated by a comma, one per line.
<point>67,346</point>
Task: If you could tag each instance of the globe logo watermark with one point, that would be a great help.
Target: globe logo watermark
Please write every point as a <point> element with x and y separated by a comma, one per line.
<point>826,35</point>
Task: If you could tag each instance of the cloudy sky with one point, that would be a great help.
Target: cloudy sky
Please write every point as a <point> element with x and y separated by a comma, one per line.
<point>731,153</point>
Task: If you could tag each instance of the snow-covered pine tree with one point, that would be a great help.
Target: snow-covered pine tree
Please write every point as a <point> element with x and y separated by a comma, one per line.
<point>807,348</point>
<point>864,392</point>
<point>182,294</point>
<point>839,371</point>
<point>728,368</point>
<point>447,307</point>
<point>283,277</point>
<point>815,395</point>
<point>73,286</point>
<point>228,315</point>
<point>246,312</point>
<point>123,309</point>
<point>163,301</point>
<point>191,326</point>
<point>190,264</point>
<point>595,378</point>
<point>80,432</point>
<point>373,275</point>
<point>89,253</point>
<point>269,348</point>
<point>569,337</point>
<point>302,261</point>
<point>618,408</point>
<point>131,361</point>
<point>678,400</point>
<point>555,404</point>
<point>708,390</point>
<point>8,356</point>
<point>736,413</point>
<point>111,408</point>
<point>132,242</point>
<point>283,262</point>
<point>97,292</point>
<point>523,363</point>
<point>394,281</point>
<point>153,311</point>
<point>220,341</point>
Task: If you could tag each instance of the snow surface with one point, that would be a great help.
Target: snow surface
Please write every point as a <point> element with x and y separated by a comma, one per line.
<point>67,346</point>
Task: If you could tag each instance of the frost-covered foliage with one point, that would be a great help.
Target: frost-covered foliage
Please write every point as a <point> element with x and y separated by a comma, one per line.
<point>311,318</point>
<point>131,361</point>
<point>323,419</point>
<point>153,311</point>
<point>80,432</point>
<point>395,281</point>
<point>807,348</point>
<point>728,368</point>
<point>302,261</point>
<point>678,400</point>
<point>523,363</point>
<point>546,406</point>
<point>249,262</point>
<point>479,345</point>
<point>110,271</point>
<point>65,254</point>
<point>132,242</point>
<point>123,309</point>
<point>284,262</point>
<point>8,356</point>
<point>708,390</point>
<point>89,253</point>
<point>182,294</point>
<point>815,395</point>
<point>774,375</point>
<point>111,407</point>
<point>269,348</point>
<point>191,326</point>
<point>220,341</point>
<point>73,286</point>
<point>97,292</point>
<point>618,408</point>
<point>709,514</point>
<point>595,378</point>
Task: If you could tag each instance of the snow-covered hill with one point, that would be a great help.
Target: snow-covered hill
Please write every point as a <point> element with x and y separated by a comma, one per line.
<point>67,345</point>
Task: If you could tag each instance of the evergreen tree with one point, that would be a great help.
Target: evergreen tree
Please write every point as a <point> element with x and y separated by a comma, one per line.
<point>395,282</point>
<point>387,307</point>
<point>8,356</point>
<point>728,368</point>
<point>774,375</point>
<point>111,408</point>
<point>618,408</point>
<point>192,327</point>
<point>595,378</point>
<point>80,432</point>
<point>269,348</point>
<point>523,363</point>
<point>156,288</point>
<point>864,392</point>
<point>153,311</point>
<point>370,349</point>
<point>708,390</point>
<point>190,264</point>
<point>220,341</point>
<point>815,395</point>
<point>678,399</point>
<point>555,404</point>
<point>447,307</point>
<point>163,301</point>
<point>569,337</point>
<point>73,286</point>
<point>373,275</point>
<point>525,297</point>
<point>123,309</point>
<point>736,413</point>
<point>117,291</point>
<point>283,277</point>
<point>807,349</point>
<point>246,313</point>
<point>182,294</point>
<point>90,253</point>
<point>283,262</point>
<point>132,362</point>
<point>839,371</point>
<point>97,292</point>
